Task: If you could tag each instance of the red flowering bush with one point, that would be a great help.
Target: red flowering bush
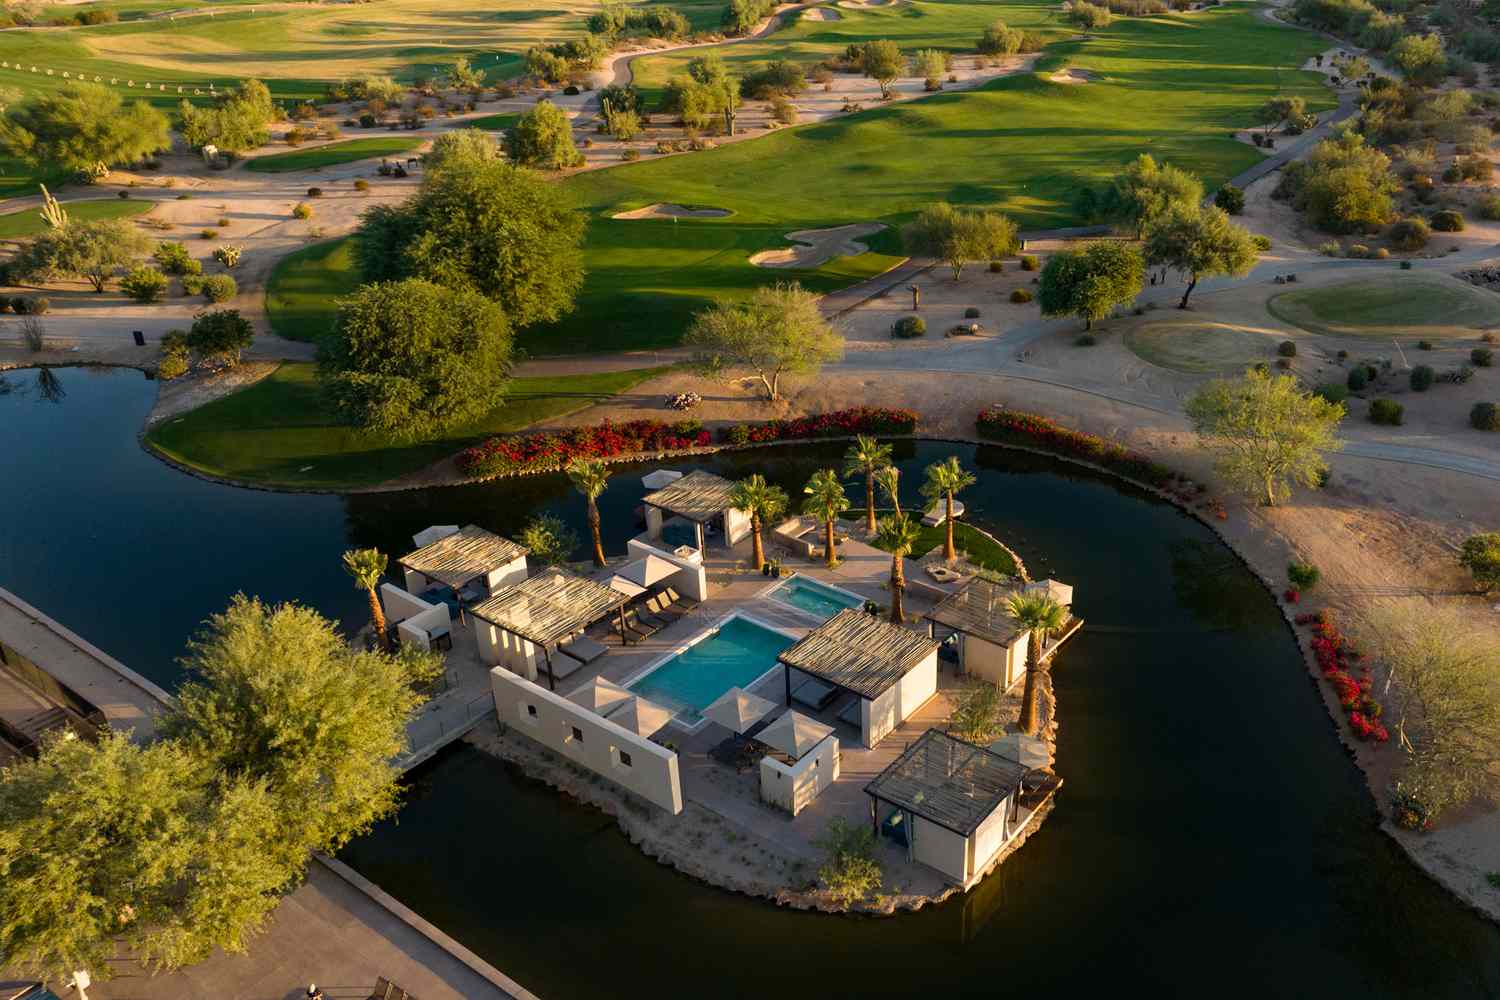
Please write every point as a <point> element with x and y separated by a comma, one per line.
<point>1291,596</point>
<point>1334,655</point>
<point>836,423</point>
<point>1006,426</point>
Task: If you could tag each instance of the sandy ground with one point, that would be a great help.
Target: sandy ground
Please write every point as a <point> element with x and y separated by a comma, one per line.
<point>816,246</point>
<point>667,211</point>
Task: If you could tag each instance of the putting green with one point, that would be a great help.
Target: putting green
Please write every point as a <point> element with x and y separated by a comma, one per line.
<point>29,222</point>
<point>1397,304</point>
<point>1199,346</point>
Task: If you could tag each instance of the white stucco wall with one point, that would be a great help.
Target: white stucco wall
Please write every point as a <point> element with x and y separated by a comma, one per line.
<point>990,836</point>
<point>415,630</point>
<point>503,576</point>
<point>880,715</point>
<point>498,648</point>
<point>690,581</point>
<point>1002,666</point>
<point>736,526</point>
<point>793,787</point>
<point>938,848</point>
<point>399,604</point>
<point>588,740</point>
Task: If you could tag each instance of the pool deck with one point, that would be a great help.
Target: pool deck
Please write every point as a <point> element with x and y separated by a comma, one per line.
<point>735,588</point>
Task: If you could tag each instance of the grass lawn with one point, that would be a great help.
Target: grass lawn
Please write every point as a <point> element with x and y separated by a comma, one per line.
<point>305,285</point>
<point>1199,346</point>
<point>332,154</point>
<point>280,432</point>
<point>494,123</point>
<point>978,547</point>
<point>29,222</point>
<point>1397,304</point>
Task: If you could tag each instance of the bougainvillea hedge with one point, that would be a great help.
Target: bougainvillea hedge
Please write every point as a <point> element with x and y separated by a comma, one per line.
<point>1006,426</point>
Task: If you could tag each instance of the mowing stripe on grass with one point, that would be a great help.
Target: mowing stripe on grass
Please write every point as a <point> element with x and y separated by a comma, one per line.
<point>332,154</point>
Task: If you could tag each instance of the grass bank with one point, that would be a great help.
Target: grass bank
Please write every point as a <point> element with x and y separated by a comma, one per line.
<point>304,289</point>
<point>29,222</point>
<point>977,546</point>
<point>332,154</point>
<point>281,432</point>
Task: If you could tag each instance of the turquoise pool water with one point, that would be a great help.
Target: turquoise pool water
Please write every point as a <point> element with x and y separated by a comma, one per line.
<point>734,656</point>
<point>813,597</point>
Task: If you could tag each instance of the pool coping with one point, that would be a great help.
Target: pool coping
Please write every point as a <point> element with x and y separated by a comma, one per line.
<point>708,630</point>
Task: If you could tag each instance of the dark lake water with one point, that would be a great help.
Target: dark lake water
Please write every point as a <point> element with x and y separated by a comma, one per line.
<point>1212,838</point>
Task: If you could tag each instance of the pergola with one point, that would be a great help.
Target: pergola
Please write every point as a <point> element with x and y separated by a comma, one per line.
<point>946,781</point>
<point>857,652</point>
<point>980,609</point>
<point>698,496</point>
<point>549,608</point>
<point>457,559</point>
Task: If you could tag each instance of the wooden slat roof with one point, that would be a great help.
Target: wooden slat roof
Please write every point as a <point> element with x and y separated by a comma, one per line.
<point>549,606</point>
<point>698,496</point>
<point>948,781</point>
<point>979,610</point>
<point>459,558</point>
<point>859,652</point>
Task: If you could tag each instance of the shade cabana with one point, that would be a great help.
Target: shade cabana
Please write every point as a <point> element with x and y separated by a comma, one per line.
<point>738,709</point>
<point>640,716</point>
<point>891,670</point>
<point>988,643</point>
<point>794,734</point>
<point>533,616</point>
<point>952,802</point>
<point>469,556</point>
<point>700,498</point>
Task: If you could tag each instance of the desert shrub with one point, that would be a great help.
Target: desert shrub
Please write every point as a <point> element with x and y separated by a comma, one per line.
<point>173,363</point>
<point>315,192</point>
<point>173,258</point>
<point>229,255</point>
<point>1358,251</point>
<point>1409,234</point>
<point>1406,265</point>
<point>1086,15</point>
<point>1482,357</point>
<point>1474,168</point>
<point>1331,248</point>
<point>302,210</point>
<point>1230,198</point>
<point>1424,345</point>
<point>1358,378</point>
<point>192,284</point>
<point>1421,378</point>
<point>219,288</point>
<point>1287,348</point>
<point>630,155</point>
<point>999,40</point>
<point>1303,576</point>
<point>1333,392</point>
<point>1021,295</point>
<point>908,326</point>
<point>783,111</point>
<point>33,334</point>
<point>1086,340</point>
<point>971,313</point>
<point>1485,417</point>
<point>144,284</point>
<point>1261,243</point>
<point>361,185</point>
<point>30,305</point>
<point>997,267</point>
<point>1447,221</point>
<point>851,871</point>
<point>1386,411</point>
<point>1029,262</point>
<point>220,335</point>
<point>780,77</point>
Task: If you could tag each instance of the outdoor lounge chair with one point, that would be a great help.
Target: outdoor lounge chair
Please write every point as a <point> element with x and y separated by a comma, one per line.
<point>661,607</point>
<point>678,602</point>
<point>562,667</point>
<point>815,694</point>
<point>638,628</point>
<point>583,649</point>
<point>648,615</point>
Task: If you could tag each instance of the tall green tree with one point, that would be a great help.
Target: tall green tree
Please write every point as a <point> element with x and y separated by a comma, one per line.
<point>883,63</point>
<point>1091,281</point>
<point>1267,431</point>
<point>276,697</point>
<point>866,457</point>
<point>492,228</point>
<point>237,122</point>
<point>590,479</point>
<point>1041,617</point>
<point>87,251</point>
<point>825,500</point>
<point>1421,58</point>
<point>367,567</point>
<point>897,535</point>
<point>1200,242</point>
<point>409,359</point>
<point>1480,555</point>
<point>763,503</point>
<point>958,238</point>
<point>543,138</point>
<point>83,127</point>
<point>110,845</point>
<point>1277,111</point>
<point>1146,191</point>
<point>946,479</point>
<point>461,146</point>
<point>779,331</point>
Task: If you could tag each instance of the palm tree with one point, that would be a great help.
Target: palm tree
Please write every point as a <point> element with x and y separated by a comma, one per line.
<point>367,566</point>
<point>897,536</point>
<point>889,481</point>
<point>590,478</point>
<point>944,479</point>
<point>763,502</point>
<point>826,501</point>
<point>867,455</point>
<point>1042,616</point>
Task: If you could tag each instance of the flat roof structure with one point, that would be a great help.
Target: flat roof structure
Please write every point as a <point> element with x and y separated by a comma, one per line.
<point>460,557</point>
<point>549,607</point>
<point>859,652</point>
<point>698,496</point>
<point>980,609</point>
<point>947,781</point>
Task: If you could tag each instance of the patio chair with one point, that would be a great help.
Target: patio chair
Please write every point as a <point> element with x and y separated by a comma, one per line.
<point>638,628</point>
<point>661,608</point>
<point>647,615</point>
<point>583,649</point>
<point>683,604</point>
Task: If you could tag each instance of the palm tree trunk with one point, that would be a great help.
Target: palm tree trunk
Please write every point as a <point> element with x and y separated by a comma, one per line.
<point>896,503</point>
<point>377,618</point>
<point>898,586</point>
<point>828,539</point>
<point>757,553</point>
<point>870,502</point>
<point>1029,693</point>
<point>594,529</point>
<point>950,551</point>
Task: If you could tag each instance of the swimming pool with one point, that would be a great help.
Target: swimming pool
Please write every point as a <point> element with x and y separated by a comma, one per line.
<point>817,599</point>
<point>736,653</point>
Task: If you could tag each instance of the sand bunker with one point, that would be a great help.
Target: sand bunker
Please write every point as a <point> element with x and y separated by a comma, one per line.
<point>856,4</point>
<point>1074,75</point>
<point>818,246</point>
<point>821,14</point>
<point>668,211</point>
